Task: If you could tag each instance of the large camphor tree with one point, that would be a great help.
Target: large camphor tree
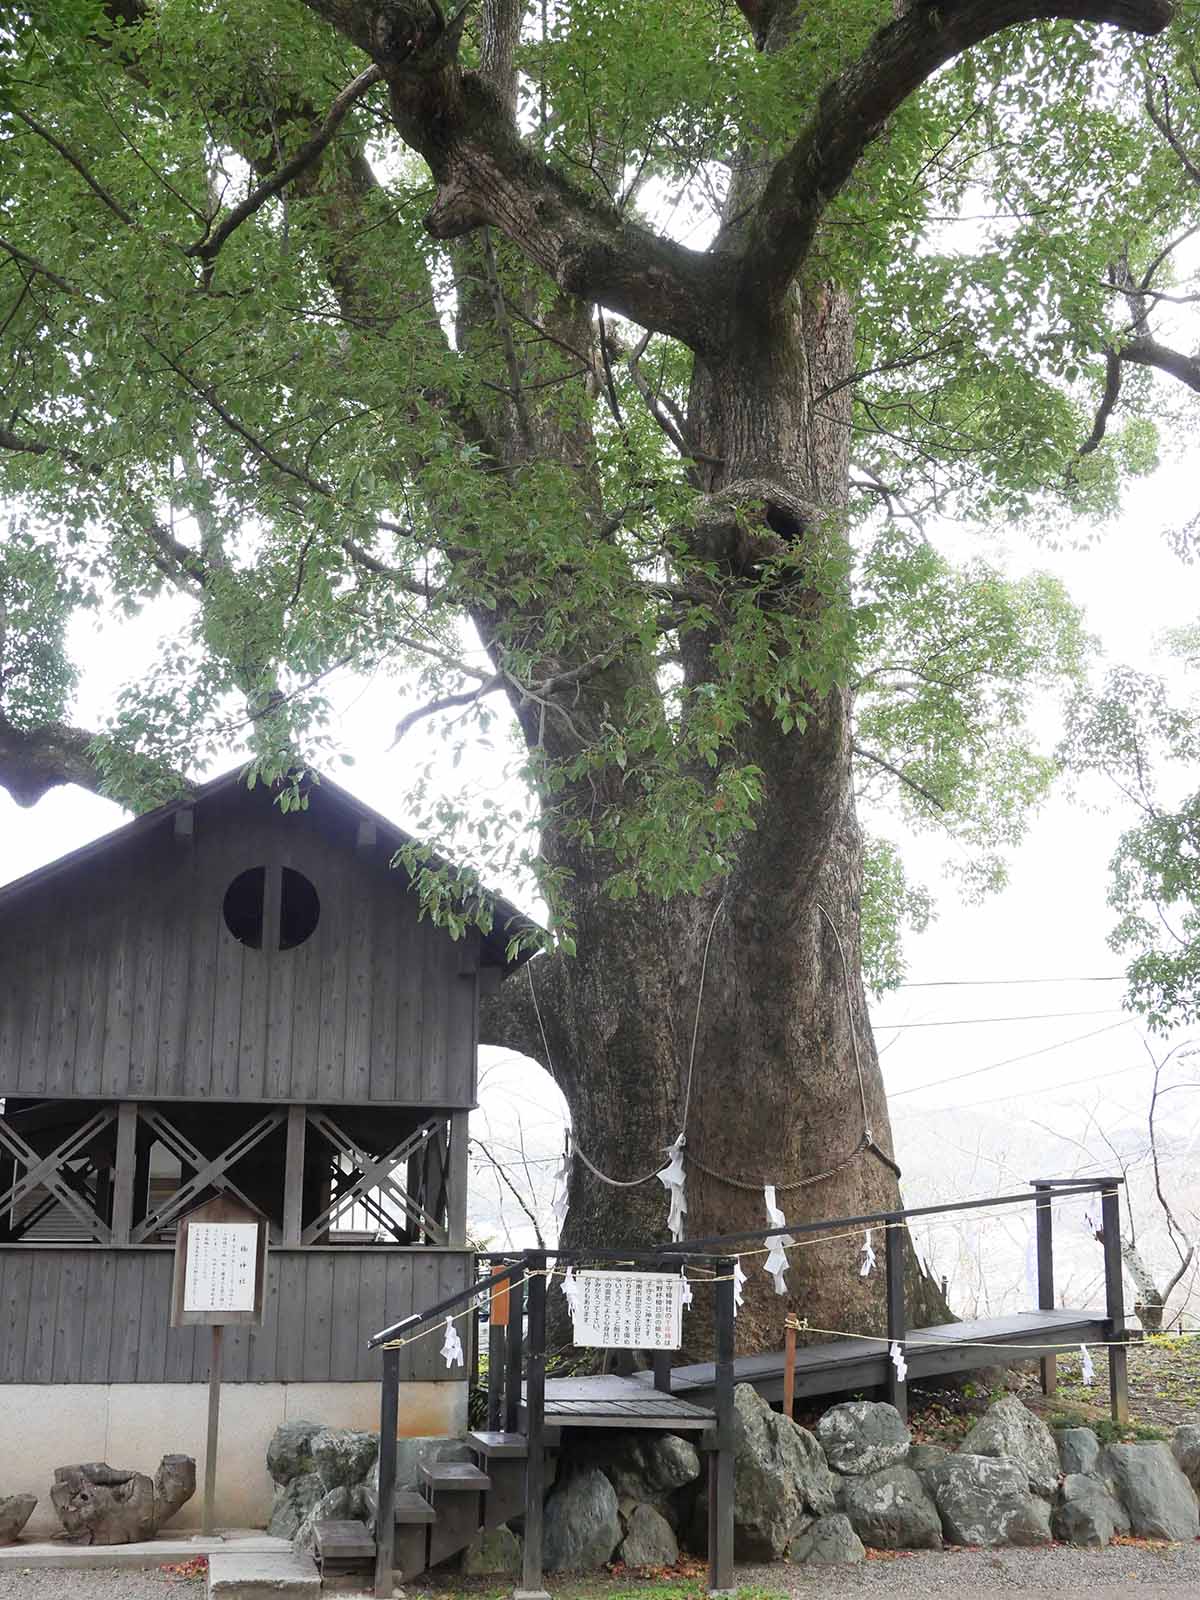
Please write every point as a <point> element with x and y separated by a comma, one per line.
<point>593,363</point>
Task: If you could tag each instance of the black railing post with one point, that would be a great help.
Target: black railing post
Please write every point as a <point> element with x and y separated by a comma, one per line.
<point>498,1303</point>
<point>894,1235</point>
<point>515,1353</point>
<point>385,1510</point>
<point>660,1360</point>
<point>1114,1295</point>
<point>535,1410</point>
<point>720,1460</point>
<point>1044,1218</point>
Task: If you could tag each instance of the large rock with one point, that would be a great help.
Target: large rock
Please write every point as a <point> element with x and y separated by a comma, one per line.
<point>581,1527</point>
<point>828,1542</point>
<point>1086,1513</point>
<point>493,1552</point>
<point>1078,1450</point>
<point>293,1501</point>
<point>1010,1430</point>
<point>1185,1447</point>
<point>15,1512</point>
<point>890,1510</point>
<point>289,1454</point>
<point>644,1467</point>
<point>986,1501</point>
<point>924,1460</point>
<point>780,1476</point>
<point>341,1503</point>
<point>1150,1485</point>
<point>649,1539</point>
<point>863,1436</point>
<point>343,1456</point>
<point>99,1504</point>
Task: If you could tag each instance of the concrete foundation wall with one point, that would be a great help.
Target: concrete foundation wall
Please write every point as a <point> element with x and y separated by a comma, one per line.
<point>43,1426</point>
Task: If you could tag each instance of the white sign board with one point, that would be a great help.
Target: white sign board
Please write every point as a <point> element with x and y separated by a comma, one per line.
<point>222,1261</point>
<point>629,1310</point>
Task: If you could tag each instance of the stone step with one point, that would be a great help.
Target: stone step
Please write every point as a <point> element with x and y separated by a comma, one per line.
<point>413,1507</point>
<point>487,1444</point>
<point>454,1475</point>
<point>238,1575</point>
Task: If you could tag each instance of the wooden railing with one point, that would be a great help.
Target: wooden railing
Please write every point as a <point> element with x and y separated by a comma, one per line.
<point>515,1290</point>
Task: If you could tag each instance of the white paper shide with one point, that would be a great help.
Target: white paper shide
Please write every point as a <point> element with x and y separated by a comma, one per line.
<point>221,1266</point>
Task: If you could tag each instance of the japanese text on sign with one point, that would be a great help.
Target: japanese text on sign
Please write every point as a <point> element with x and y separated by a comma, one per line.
<point>629,1310</point>
<point>220,1272</point>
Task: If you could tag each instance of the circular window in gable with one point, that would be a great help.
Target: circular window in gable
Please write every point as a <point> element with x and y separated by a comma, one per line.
<point>246,906</point>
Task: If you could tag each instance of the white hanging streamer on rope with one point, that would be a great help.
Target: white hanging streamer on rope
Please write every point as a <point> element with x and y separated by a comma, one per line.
<point>739,1283</point>
<point>562,1179</point>
<point>777,1262</point>
<point>570,1287</point>
<point>1091,1222</point>
<point>672,1178</point>
<point>868,1255</point>
<point>452,1350</point>
<point>1089,1370</point>
<point>685,1297</point>
<point>898,1361</point>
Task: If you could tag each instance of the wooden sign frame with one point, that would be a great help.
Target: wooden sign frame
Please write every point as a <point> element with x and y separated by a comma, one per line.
<point>220,1209</point>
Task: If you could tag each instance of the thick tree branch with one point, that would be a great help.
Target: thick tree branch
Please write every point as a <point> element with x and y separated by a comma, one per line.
<point>33,761</point>
<point>206,249</point>
<point>1148,352</point>
<point>854,108</point>
<point>485,173</point>
<point>1112,391</point>
<point>69,156</point>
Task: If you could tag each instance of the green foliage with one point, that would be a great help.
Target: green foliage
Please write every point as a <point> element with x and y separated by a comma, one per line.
<point>294,447</point>
<point>1131,733</point>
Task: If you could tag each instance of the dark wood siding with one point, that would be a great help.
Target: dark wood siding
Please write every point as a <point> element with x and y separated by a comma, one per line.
<point>122,980</point>
<point>91,1315</point>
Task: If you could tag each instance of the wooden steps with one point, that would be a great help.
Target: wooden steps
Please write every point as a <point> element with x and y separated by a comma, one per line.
<point>344,1549</point>
<point>509,1446</point>
<point>461,1476</point>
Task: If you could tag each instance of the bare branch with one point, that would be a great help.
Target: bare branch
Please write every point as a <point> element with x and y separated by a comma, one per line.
<point>69,156</point>
<point>898,772</point>
<point>1112,390</point>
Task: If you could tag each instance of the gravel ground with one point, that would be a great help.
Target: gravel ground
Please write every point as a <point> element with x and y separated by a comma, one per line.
<point>55,1583</point>
<point>1153,1572</point>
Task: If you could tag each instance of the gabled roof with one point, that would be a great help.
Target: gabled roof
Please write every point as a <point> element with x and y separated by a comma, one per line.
<point>507,919</point>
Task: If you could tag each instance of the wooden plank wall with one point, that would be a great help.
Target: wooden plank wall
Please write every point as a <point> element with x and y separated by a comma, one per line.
<point>122,981</point>
<point>92,1315</point>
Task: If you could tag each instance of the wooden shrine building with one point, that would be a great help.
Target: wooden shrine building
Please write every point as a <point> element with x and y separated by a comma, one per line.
<point>220,997</point>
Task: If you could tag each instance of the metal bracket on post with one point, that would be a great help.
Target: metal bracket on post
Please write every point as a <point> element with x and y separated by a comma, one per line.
<point>720,1461</point>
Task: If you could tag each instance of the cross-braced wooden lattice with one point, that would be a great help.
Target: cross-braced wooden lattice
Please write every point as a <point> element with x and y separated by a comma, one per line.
<point>52,1173</point>
<point>371,1181</point>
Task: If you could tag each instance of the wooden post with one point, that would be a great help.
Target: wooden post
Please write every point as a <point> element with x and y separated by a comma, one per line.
<point>512,1375</point>
<point>208,1525</point>
<point>660,1361</point>
<point>1114,1295</point>
<point>535,1411</point>
<point>720,1460</point>
<point>497,1353</point>
<point>122,1215</point>
<point>293,1176</point>
<point>894,1232</point>
<point>385,1511</point>
<point>1044,1218</point>
<point>456,1182</point>
<point>789,1367</point>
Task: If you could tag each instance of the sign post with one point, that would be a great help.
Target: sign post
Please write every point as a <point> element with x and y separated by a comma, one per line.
<point>220,1270</point>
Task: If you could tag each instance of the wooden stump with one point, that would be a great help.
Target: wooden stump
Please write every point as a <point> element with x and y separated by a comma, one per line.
<point>99,1504</point>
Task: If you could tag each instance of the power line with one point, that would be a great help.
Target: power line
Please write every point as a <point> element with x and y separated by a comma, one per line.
<point>982,983</point>
<point>1073,1083</point>
<point>1010,1061</point>
<point>964,1022</point>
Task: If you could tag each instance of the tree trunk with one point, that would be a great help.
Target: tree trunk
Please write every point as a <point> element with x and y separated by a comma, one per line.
<point>784,1087</point>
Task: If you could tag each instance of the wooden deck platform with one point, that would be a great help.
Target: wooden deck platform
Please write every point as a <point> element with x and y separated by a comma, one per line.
<point>611,1402</point>
<point>846,1366</point>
